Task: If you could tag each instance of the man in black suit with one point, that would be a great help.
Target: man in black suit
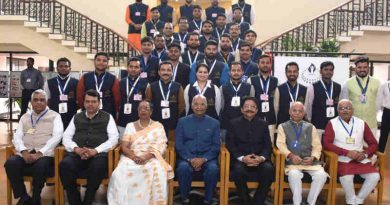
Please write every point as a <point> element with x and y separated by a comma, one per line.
<point>250,146</point>
<point>181,71</point>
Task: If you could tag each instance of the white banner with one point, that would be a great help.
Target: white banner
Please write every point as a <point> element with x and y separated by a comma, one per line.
<point>309,68</point>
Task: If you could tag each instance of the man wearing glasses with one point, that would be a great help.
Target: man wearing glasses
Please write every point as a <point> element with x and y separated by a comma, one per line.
<point>345,135</point>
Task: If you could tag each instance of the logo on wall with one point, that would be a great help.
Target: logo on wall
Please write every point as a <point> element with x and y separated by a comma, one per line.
<point>311,74</point>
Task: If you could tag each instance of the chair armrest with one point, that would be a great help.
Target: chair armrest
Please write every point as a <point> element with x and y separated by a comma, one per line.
<point>172,157</point>
<point>380,163</point>
<point>10,151</point>
<point>110,156</point>
<point>330,159</point>
<point>60,152</point>
<point>117,155</point>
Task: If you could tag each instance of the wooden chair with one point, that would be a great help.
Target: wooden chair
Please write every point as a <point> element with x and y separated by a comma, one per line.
<point>82,181</point>
<point>222,166</point>
<point>358,181</point>
<point>330,160</point>
<point>253,185</point>
<point>10,151</point>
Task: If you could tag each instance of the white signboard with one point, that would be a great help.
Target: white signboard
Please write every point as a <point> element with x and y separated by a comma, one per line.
<point>309,68</point>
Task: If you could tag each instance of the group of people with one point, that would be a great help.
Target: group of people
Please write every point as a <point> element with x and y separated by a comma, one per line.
<point>208,85</point>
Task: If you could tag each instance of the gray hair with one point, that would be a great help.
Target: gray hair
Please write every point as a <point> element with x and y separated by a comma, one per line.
<point>199,96</point>
<point>39,91</point>
<point>298,103</point>
<point>344,100</point>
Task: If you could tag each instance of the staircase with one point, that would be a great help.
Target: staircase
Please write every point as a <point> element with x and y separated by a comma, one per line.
<point>64,27</point>
<point>354,20</point>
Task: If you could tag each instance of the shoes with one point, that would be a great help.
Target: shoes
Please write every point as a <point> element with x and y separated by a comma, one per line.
<point>185,201</point>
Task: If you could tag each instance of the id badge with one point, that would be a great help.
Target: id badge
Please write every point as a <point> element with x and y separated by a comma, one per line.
<point>144,75</point>
<point>28,80</point>
<point>265,107</point>
<point>138,13</point>
<point>101,104</point>
<point>329,102</point>
<point>235,101</point>
<point>363,98</point>
<point>127,109</point>
<point>63,108</point>
<point>350,140</point>
<point>101,94</point>
<point>165,113</point>
<point>296,144</point>
<point>214,15</point>
<point>264,97</point>
<point>244,78</point>
<point>164,103</point>
<point>197,31</point>
<point>137,97</point>
<point>291,103</point>
<point>31,131</point>
<point>63,97</point>
<point>330,112</point>
<point>152,31</point>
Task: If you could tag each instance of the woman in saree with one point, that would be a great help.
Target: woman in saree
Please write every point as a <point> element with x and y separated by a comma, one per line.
<point>142,173</point>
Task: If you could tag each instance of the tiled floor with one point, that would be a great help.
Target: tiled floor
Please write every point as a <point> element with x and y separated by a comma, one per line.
<point>5,139</point>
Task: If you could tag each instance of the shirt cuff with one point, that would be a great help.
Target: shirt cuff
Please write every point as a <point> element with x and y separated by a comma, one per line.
<point>263,158</point>
<point>240,158</point>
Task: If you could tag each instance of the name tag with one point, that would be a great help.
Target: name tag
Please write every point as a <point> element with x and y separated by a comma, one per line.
<point>236,101</point>
<point>265,107</point>
<point>214,15</point>
<point>350,140</point>
<point>101,104</point>
<point>197,31</point>
<point>330,112</point>
<point>137,97</point>
<point>164,103</point>
<point>31,131</point>
<point>244,78</point>
<point>329,102</point>
<point>127,109</point>
<point>152,31</point>
<point>138,13</point>
<point>363,98</point>
<point>165,113</point>
<point>144,75</point>
<point>28,80</point>
<point>264,97</point>
<point>101,94</point>
<point>63,97</point>
<point>63,108</point>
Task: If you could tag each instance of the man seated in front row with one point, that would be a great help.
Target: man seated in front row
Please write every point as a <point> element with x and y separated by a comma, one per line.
<point>38,133</point>
<point>89,136</point>
<point>345,135</point>
<point>299,142</point>
<point>197,144</point>
<point>250,146</point>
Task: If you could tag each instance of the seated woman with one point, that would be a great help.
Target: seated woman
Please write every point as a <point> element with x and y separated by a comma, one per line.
<point>142,174</point>
<point>203,86</point>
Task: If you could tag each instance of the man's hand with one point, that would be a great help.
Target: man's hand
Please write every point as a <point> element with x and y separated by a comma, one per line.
<point>36,156</point>
<point>360,156</point>
<point>80,151</point>
<point>197,163</point>
<point>295,159</point>
<point>353,154</point>
<point>250,160</point>
<point>308,161</point>
<point>138,26</point>
<point>89,153</point>
<point>28,158</point>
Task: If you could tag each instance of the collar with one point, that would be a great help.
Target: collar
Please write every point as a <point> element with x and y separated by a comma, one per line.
<point>208,84</point>
<point>32,112</point>
<point>86,114</point>
<point>296,123</point>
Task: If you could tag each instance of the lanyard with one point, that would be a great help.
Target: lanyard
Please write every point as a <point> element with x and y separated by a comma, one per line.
<point>154,25</point>
<point>98,88</point>
<point>132,88</point>
<point>264,85</point>
<point>293,99</point>
<point>234,88</point>
<point>167,44</point>
<point>175,72</point>
<point>364,90</point>
<point>329,93</point>
<point>143,64</point>
<point>238,43</point>
<point>201,92</point>
<point>165,97</point>
<point>190,59</point>
<point>219,34</point>
<point>198,26</point>
<point>62,88</point>
<point>36,122</point>
<point>212,66</point>
<point>182,39</point>
<point>297,134</point>
<point>345,128</point>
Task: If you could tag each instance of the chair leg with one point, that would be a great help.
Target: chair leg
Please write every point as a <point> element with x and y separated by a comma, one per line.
<point>221,195</point>
<point>281,190</point>
<point>380,192</point>
<point>9,193</point>
<point>170,192</point>
<point>226,197</point>
<point>56,193</point>
<point>61,194</point>
<point>276,195</point>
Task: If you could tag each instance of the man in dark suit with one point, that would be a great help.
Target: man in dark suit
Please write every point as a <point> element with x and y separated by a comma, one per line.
<point>249,143</point>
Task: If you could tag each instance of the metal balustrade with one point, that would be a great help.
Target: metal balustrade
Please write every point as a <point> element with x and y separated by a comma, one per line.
<point>73,25</point>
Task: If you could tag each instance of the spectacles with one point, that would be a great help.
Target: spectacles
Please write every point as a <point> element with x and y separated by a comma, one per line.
<point>39,99</point>
<point>345,108</point>
<point>143,108</point>
<point>250,107</point>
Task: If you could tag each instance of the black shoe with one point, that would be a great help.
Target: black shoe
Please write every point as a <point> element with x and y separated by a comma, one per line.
<point>185,201</point>
<point>25,201</point>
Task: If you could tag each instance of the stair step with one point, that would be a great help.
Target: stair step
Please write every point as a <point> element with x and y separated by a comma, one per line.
<point>91,56</point>
<point>13,18</point>
<point>356,33</point>
<point>68,43</point>
<point>43,30</point>
<point>375,28</point>
<point>56,36</point>
<point>31,24</point>
<point>344,38</point>
<point>81,49</point>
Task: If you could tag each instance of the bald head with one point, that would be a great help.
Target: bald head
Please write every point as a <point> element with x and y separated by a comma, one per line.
<point>345,109</point>
<point>199,105</point>
<point>297,111</point>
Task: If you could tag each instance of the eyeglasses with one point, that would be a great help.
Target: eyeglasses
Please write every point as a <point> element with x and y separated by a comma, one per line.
<point>345,108</point>
<point>253,107</point>
<point>143,108</point>
<point>39,100</point>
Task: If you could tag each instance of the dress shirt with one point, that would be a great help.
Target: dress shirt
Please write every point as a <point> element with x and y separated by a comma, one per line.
<point>218,99</point>
<point>112,133</point>
<point>383,96</point>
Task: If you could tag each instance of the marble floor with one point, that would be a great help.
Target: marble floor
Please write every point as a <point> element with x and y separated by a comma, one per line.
<point>6,130</point>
